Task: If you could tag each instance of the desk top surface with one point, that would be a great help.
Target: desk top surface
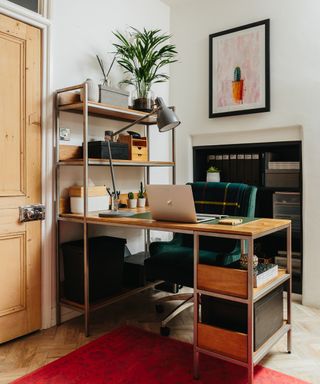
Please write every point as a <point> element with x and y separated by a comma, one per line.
<point>255,228</point>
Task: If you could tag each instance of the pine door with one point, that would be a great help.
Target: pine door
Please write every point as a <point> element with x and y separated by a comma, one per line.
<point>20,177</point>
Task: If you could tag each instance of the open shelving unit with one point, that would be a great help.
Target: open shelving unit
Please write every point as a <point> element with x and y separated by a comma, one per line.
<point>86,108</point>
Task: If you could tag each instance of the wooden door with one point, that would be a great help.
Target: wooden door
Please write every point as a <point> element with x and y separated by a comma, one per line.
<point>20,177</point>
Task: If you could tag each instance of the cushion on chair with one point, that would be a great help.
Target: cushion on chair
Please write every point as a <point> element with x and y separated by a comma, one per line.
<point>173,261</point>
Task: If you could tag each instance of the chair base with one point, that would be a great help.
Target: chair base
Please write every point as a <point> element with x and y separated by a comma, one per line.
<point>187,301</point>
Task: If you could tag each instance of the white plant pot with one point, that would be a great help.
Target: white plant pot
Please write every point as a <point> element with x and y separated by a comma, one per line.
<point>213,177</point>
<point>132,203</point>
<point>141,202</point>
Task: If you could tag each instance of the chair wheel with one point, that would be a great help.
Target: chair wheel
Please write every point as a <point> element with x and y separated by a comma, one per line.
<point>164,331</point>
<point>159,308</point>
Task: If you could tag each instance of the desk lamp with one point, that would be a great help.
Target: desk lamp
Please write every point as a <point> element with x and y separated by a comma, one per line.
<point>166,120</point>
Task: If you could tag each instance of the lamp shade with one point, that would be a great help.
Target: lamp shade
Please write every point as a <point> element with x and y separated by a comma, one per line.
<point>166,118</point>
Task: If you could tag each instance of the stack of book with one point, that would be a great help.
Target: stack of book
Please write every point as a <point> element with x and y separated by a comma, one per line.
<point>237,167</point>
<point>281,260</point>
<point>263,273</point>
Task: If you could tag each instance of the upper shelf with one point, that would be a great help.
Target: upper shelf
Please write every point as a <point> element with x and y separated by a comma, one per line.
<point>118,163</point>
<point>109,112</point>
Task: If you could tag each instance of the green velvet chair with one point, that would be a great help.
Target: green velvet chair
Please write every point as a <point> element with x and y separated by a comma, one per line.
<point>173,261</point>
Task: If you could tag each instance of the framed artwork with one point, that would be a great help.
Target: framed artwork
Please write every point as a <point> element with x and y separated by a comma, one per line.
<point>239,70</point>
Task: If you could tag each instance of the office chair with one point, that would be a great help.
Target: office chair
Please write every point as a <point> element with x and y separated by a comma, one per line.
<point>172,261</point>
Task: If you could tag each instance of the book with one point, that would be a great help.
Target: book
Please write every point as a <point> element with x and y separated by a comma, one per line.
<point>263,273</point>
<point>256,169</point>
<point>233,168</point>
<point>225,168</point>
<point>230,221</point>
<point>248,168</point>
<point>241,167</point>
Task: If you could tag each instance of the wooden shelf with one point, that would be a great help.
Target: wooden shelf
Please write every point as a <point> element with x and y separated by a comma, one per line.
<point>117,163</point>
<point>109,112</point>
<point>264,289</point>
<point>123,294</point>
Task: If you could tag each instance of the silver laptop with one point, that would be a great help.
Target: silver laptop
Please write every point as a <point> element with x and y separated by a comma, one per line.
<point>175,203</point>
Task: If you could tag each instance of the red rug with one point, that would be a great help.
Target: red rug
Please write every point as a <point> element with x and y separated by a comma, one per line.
<point>132,356</point>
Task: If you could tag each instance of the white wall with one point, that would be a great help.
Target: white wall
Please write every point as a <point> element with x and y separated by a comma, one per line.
<point>80,30</point>
<point>295,89</point>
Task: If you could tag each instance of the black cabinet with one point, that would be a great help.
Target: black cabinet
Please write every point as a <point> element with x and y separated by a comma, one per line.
<point>276,169</point>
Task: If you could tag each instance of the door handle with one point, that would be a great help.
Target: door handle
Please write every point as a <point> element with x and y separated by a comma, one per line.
<point>32,213</point>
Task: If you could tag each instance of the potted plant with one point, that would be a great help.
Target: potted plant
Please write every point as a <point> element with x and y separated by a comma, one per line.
<point>142,56</point>
<point>141,197</point>
<point>132,202</point>
<point>213,174</point>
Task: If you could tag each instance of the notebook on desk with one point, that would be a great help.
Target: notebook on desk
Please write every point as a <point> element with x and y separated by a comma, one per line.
<point>175,203</point>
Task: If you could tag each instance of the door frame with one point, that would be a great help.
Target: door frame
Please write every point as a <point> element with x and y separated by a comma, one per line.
<point>42,21</point>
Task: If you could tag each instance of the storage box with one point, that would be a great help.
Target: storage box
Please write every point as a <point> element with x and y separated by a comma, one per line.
<point>134,270</point>
<point>282,178</point>
<point>228,281</point>
<point>69,152</point>
<point>97,190</point>
<point>219,340</point>
<point>287,206</point>
<point>106,256</point>
<point>113,96</point>
<point>99,150</point>
<point>68,98</point>
<point>232,316</point>
<point>138,147</point>
<point>95,203</point>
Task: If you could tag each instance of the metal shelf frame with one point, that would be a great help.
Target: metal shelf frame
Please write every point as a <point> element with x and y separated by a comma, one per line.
<point>86,108</point>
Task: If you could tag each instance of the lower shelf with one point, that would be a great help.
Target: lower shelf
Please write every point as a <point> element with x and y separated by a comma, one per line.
<point>122,295</point>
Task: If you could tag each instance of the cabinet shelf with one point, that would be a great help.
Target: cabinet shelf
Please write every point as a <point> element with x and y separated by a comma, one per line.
<point>117,163</point>
<point>109,112</point>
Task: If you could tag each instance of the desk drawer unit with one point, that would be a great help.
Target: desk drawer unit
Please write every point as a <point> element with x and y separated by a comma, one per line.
<point>139,153</point>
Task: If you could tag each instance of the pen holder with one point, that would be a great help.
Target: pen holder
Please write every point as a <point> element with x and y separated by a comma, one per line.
<point>115,202</point>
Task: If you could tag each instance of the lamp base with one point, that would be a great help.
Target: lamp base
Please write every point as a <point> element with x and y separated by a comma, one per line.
<point>115,214</point>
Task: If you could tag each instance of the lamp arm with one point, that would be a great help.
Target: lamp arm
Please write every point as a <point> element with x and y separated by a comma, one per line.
<point>135,122</point>
<point>111,169</point>
<point>117,133</point>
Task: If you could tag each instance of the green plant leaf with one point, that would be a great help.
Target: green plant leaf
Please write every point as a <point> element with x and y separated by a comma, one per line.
<point>143,56</point>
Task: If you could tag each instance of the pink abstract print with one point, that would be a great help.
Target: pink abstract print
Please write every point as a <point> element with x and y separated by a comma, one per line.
<point>238,69</point>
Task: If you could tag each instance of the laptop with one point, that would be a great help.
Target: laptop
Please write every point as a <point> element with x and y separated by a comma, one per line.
<point>175,203</point>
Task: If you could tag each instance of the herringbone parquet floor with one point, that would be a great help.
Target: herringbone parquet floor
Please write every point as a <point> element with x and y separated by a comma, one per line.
<point>30,352</point>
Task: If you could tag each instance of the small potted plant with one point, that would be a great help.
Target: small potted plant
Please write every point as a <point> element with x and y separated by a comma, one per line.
<point>132,202</point>
<point>213,175</point>
<point>141,197</point>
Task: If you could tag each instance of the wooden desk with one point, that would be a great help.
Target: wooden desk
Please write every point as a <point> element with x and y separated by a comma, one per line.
<point>246,233</point>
